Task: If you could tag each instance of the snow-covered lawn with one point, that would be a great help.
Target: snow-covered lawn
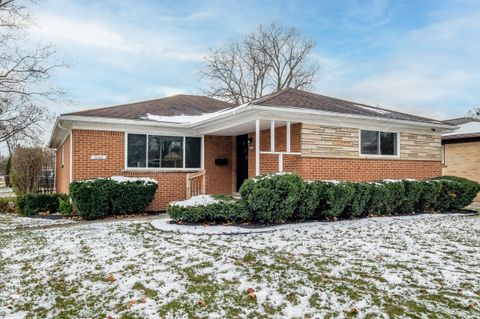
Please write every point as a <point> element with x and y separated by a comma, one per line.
<point>421,266</point>
<point>11,221</point>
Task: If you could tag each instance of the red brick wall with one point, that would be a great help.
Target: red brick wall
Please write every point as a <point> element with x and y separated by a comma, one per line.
<point>172,185</point>
<point>220,179</point>
<point>315,168</point>
<point>62,172</point>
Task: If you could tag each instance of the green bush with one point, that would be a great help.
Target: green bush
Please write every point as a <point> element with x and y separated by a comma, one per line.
<point>308,203</point>
<point>413,191</point>
<point>469,192</point>
<point>102,197</point>
<point>359,200</point>
<point>32,204</point>
<point>377,202</point>
<point>395,196</point>
<point>275,198</point>
<point>221,210</point>
<point>334,198</point>
<point>429,194</point>
<point>65,206</point>
<point>272,198</point>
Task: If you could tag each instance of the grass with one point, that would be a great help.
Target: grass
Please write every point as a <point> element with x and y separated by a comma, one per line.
<point>422,266</point>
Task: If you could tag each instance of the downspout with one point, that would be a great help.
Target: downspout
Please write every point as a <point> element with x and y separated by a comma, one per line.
<point>70,150</point>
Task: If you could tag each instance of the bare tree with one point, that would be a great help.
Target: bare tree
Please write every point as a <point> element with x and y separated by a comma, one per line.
<point>475,113</point>
<point>266,60</point>
<point>24,70</point>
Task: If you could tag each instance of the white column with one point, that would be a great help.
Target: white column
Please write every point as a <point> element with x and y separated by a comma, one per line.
<point>280,163</point>
<point>272,136</point>
<point>202,158</point>
<point>257,147</point>
<point>288,138</point>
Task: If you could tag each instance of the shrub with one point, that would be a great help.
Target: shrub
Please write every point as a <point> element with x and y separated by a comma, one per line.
<point>272,198</point>
<point>428,196</point>
<point>377,202</point>
<point>334,198</point>
<point>205,208</point>
<point>101,197</point>
<point>32,204</point>
<point>65,206</point>
<point>470,190</point>
<point>26,169</point>
<point>308,203</point>
<point>7,205</point>
<point>395,196</point>
<point>359,200</point>
<point>413,191</point>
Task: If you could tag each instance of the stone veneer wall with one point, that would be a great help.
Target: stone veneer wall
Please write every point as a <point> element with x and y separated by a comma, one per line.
<point>326,141</point>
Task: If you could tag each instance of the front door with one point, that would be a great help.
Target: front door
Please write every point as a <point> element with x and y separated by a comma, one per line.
<point>242,159</point>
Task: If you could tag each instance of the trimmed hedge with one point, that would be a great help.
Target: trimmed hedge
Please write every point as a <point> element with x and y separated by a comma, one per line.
<point>283,197</point>
<point>102,197</point>
<point>222,210</point>
<point>32,204</point>
<point>272,198</point>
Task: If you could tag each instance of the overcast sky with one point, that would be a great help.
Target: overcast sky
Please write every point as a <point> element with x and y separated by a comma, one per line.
<point>421,57</point>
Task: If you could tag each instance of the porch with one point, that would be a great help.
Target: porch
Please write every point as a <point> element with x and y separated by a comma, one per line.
<point>237,152</point>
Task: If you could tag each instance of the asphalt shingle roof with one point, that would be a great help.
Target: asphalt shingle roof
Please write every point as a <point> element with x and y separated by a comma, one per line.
<point>175,105</point>
<point>302,99</point>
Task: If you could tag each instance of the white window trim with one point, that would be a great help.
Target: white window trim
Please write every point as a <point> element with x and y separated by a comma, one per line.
<point>377,155</point>
<point>163,169</point>
<point>443,155</point>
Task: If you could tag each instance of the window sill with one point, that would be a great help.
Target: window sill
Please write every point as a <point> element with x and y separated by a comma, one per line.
<point>380,156</point>
<point>161,170</point>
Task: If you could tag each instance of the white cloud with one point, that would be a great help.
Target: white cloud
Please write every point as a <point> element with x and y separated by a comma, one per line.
<point>69,31</point>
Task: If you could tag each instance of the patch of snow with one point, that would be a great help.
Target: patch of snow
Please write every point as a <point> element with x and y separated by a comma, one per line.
<point>200,200</point>
<point>12,221</point>
<point>467,128</point>
<point>182,119</point>
<point>124,179</point>
<point>373,109</point>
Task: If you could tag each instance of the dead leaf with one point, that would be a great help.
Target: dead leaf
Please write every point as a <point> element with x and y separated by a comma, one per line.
<point>109,317</point>
<point>142,300</point>
<point>251,293</point>
<point>202,303</point>
<point>131,303</point>
<point>424,291</point>
<point>325,275</point>
<point>353,311</point>
<point>110,278</point>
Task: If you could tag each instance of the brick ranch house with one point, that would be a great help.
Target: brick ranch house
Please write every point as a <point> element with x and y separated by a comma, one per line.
<point>195,144</point>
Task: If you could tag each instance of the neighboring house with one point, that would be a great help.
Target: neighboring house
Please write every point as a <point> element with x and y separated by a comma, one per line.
<point>461,149</point>
<point>195,144</point>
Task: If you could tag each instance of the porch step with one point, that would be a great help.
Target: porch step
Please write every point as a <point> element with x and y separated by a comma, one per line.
<point>236,195</point>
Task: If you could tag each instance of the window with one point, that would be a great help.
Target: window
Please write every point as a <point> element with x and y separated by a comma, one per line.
<point>378,143</point>
<point>154,151</point>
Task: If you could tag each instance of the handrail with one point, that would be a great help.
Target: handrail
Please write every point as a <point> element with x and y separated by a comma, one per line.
<point>195,184</point>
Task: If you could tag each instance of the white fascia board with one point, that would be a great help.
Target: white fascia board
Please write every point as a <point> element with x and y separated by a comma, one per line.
<point>305,111</point>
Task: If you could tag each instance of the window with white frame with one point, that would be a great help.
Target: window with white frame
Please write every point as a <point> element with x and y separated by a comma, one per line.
<point>378,143</point>
<point>156,151</point>
<point>63,156</point>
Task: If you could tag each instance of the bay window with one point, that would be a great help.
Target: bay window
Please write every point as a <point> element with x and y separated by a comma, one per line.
<point>155,151</point>
<point>378,143</point>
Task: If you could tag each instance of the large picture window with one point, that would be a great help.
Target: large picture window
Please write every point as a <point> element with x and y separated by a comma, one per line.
<point>378,143</point>
<point>154,151</point>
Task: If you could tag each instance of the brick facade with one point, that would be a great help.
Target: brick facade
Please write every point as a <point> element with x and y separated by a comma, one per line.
<point>333,153</point>
<point>172,185</point>
<point>322,153</point>
<point>463,159</point>
<point>62,170</point>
